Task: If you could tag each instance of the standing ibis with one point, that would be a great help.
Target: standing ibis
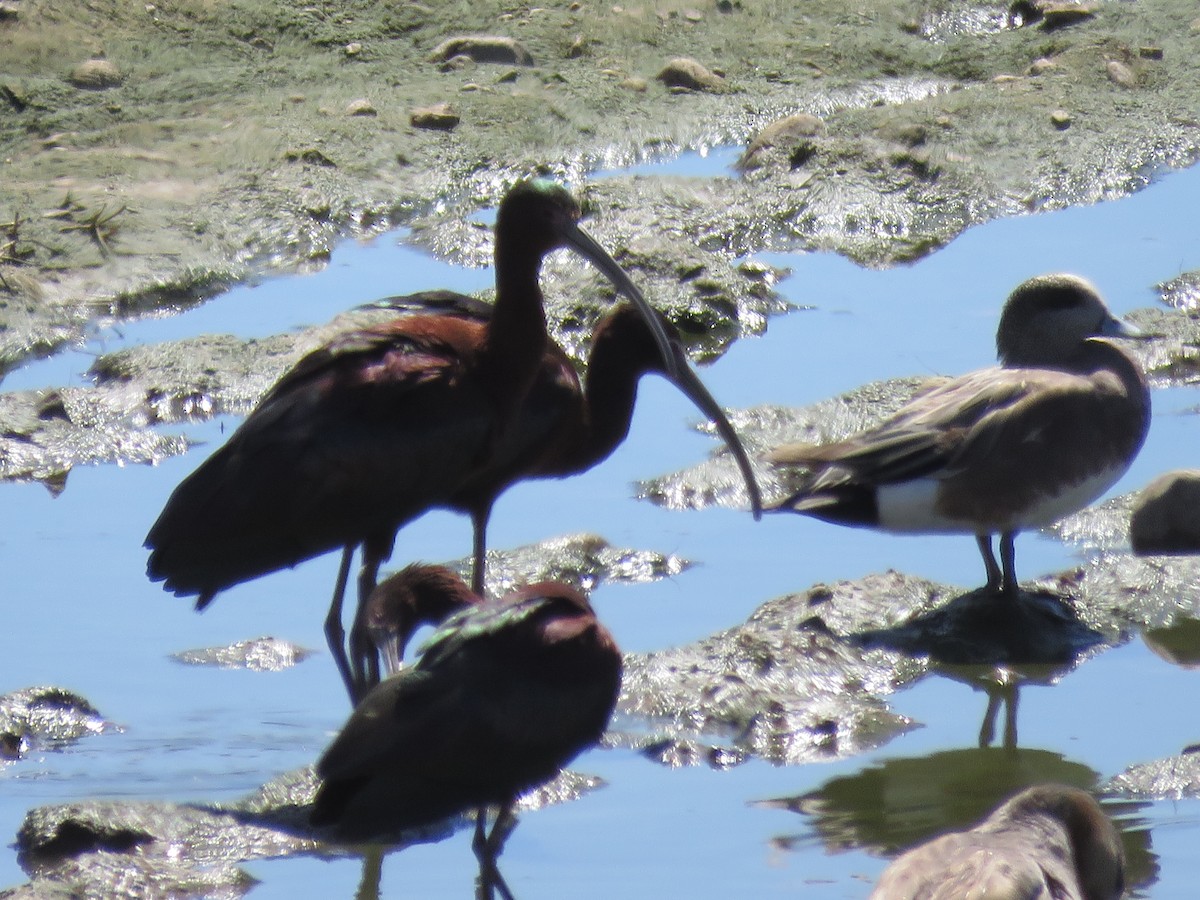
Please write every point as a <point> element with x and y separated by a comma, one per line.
<point>377,427</point>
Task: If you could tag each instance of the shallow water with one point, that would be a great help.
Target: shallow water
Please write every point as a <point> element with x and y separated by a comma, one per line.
<point>82,615</point>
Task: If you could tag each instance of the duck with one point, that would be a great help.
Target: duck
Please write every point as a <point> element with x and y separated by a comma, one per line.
<point>1047,841</point>
<point>999,450</point>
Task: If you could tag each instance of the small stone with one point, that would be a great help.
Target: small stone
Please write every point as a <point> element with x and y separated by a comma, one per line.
<point>1120,74</point>
<point>686,73</point>
<point>96,74</point>
<point>483,49</point>
<point>578,47</point>
<point>576,6</point>
<point>1005,79</point>
<point>1041,66</point>
<point>637,85</point>
<point>439,117</point>
<point>1166,515</point>
<point>790,130</point>
<point>1060,119</point>
<point>354,48</point>
<point>693,15</point>
<point>1150,52</point>
<point>361,107</point>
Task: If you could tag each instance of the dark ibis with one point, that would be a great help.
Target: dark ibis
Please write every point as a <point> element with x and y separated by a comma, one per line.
<point>377,427</point>
<point>1047,841</point>
<point>504,695</point>
<point>419,594</point>
<point>999,450</point>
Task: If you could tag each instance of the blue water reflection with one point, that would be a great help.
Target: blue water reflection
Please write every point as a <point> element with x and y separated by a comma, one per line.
<point>83,616</point>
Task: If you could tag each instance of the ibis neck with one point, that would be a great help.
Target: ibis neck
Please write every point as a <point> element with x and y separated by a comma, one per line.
<point>516,335</point>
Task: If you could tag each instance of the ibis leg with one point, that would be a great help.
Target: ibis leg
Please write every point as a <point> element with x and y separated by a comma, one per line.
<point>335,634</point>
<point>479,521</point>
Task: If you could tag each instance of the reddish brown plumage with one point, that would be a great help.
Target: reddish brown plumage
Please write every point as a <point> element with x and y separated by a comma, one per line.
<point>379,426</point>
<point>506,693</point>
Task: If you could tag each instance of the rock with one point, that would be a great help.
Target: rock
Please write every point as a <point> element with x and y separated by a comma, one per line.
<point>1041,66</point>
<point>439,117</point>
<point>1050,14</point>
<point>361,107</point>
<point>47,716</point>
<point>1166,517</point>
<point>483,49</point>
<point>637,85</point>
<point>265,654</point>
<point>1120,74</point>
<point>783,133</point>
<point>685,72</point>
<point>1060,119</point>
<point>354,48</point>
<point>96,74</point>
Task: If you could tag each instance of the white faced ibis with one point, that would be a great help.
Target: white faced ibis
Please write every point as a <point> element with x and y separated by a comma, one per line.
<point>419,594</point>
<point>1047,841</point>
<point>505,694</point>
<point>376,428</point>
<point>1002,449</point>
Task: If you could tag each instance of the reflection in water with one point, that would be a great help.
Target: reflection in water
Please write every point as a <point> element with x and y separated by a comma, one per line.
<point>1048,840</point>
<point>887,808</point>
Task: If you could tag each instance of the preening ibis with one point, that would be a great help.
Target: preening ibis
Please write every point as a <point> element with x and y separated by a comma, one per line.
<point>505,693</point>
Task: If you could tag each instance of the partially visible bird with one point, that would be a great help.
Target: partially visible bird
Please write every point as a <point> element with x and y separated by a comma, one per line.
<point>999,450</point>
<point>1049,842</point>
<point>419,594</point>
<point>505,693</point>
<point>379,426</point>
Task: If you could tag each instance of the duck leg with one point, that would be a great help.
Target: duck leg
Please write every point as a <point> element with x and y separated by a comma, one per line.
<point>1008,559</point>
<point>994,575</point>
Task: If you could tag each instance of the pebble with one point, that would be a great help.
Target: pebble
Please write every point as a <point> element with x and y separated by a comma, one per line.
<point>1121,74</point>
<point>361,107</point>
<point>1060,119</point>
<point>1041,66</point>
<point>483,48</point>
<point>96,74</point>
<point>685,72</point>
<point>439,117</point>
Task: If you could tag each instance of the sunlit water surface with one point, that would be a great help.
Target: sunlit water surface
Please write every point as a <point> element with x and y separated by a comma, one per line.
<point>81,614</point>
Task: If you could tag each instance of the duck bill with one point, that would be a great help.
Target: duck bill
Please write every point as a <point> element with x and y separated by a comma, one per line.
<point>580,241</point>
<point>1114,327</point>
<point>689,383</point>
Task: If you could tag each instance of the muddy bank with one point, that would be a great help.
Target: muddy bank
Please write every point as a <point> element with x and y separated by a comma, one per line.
<point>154,154</point>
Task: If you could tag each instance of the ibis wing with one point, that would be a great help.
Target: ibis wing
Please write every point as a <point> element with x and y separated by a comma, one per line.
<point>359,437</point>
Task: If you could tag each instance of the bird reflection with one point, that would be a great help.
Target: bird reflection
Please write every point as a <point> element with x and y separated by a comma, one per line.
<point>899,803</point>
<point>1047,840</point>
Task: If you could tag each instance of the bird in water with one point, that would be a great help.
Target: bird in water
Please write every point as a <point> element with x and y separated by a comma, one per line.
<point>419,594</point>
<point>1048,841</point>
<point>504,695</point>
<point>999,450</point>
<point>379,426</point>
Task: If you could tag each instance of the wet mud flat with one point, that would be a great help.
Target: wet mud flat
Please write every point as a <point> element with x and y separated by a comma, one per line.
<point>153,155</point>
